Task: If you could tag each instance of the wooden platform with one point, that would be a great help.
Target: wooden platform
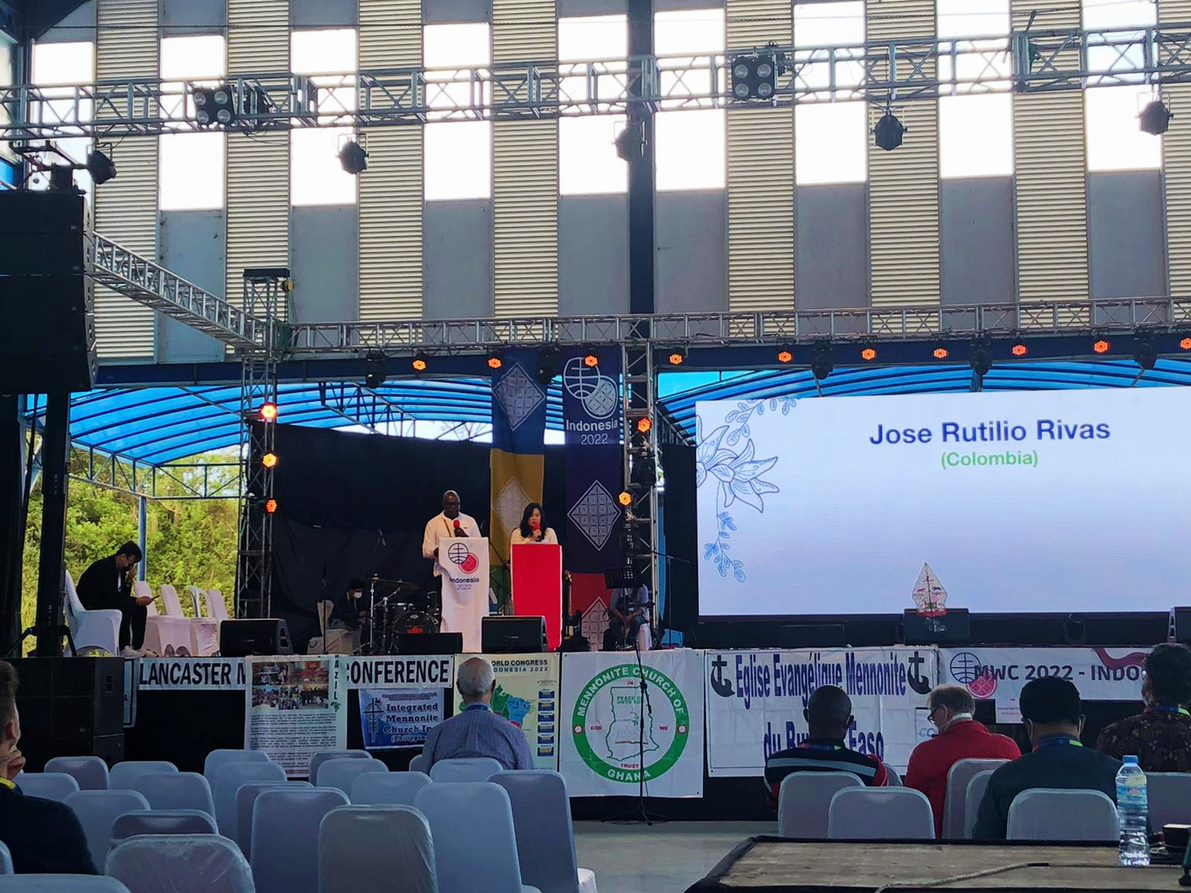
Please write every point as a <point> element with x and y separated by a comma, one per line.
<point>774,865</point>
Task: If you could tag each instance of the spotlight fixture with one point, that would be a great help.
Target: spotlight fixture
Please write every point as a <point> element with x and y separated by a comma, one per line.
<point>868,354</point>
<point>591,361</point>
<point>785,355</point>
<point>644,424</point>
<point>375,370</point>
<point>213,105</point>
<point>269,460</point>
<point>547,365</point>
<point>1185,344</point>
<point>677,356</point>
<point>980,360</point>
<point>495,361</point>
<point>268,412</point>
<point>1101,345</point>
<point>822,364</point>
<point>353,157</point>
<point>421,361</point>
<point>645,471</point>
<point>271,506</point>
<point>630,142</point>
<point>1144,354</point>
<point>940,353</point>
<point>754,75</point>
<point>625,498</point>
<point>1019,349</point>
<point>101,167</point>
<point>889,131</point>
<point>1155,118</point>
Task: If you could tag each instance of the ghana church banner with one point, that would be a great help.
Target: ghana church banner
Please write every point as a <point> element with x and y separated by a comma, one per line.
<point>518,446</point>
<point>608,727</point>
<point>592,418</point>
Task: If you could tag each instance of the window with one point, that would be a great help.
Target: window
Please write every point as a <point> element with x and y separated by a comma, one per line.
<point>65,64</point>
<point>689,145</point>
<point>457,153</point>
<point>328,56</point>
<point>587,159</point>
<point>191,165</point>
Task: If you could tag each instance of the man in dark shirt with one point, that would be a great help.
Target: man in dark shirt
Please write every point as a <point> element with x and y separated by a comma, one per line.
<point>1051,710</point>
<point>828,715</point>
<point>627,613</point>
<point>349,607</point>
<point>43,836</point>
<point>107,584</point>
<point>1161,736</point>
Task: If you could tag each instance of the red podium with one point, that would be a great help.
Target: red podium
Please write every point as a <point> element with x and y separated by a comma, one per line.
<point>537,586</point>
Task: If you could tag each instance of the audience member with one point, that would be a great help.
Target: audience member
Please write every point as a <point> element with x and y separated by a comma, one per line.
<point>960,738</point>
<point>1051,710</point>
<point>1161,736</point>
<point>43,836</point>
<point>476,731</point>
<point>107,583</point>
<point>829,716</point>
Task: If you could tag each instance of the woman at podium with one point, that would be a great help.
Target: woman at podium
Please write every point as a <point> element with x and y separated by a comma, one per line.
<point>531,529</point>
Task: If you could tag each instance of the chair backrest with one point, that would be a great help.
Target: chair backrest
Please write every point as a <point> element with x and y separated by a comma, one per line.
<point>97,812</point>
<point>322,756</point>
<point>169,598</point>
<point>285,825</point>
<point>542,824</point>
<point>880,814</point>
<point>461,858</point>
<point>192,863</point>
<point>74,604</point>
<point>390,789</point>
<point>1170,798</point>
<point>895,780</point>
<point>50,785</point>
<point>955,806</point>
<point>324,609</point>
<point>62,883</point>
<point>1058,814</point>
<point>141,589</point>
<point>222,756</point>
<point>122,775</point>
<point>181,790</point>
<point>216,606</point>
<point>466,769</point>
<point>90,772</point>
<point>420,763</point>
<point>162,821</point>
<point>804,800</point>
<point>5,859</point>
<point>246,796</point>
<point>342,771</point>
<point>227,781</point>
<point>350,838</point>
<point>976,788</point>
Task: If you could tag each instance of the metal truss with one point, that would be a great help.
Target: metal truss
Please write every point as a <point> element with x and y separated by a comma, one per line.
<point>880,72</point>
<point>641,466</point>
<point>360,405</point>
<point>177,480</point>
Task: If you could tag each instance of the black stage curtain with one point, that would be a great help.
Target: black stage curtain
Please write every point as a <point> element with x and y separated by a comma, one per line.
<point>679,524</point>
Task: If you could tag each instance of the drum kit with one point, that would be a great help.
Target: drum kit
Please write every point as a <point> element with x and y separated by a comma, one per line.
<point>395,608</point>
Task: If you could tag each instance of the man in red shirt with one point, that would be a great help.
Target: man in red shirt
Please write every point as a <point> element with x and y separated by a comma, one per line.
<point>960,737</point>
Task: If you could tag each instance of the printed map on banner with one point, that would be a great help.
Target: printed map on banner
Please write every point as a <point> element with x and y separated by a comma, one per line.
<point>401,698</point>
<point>527,696</point>
<point>755,701</point>
<point>296,708</point>
<point>998,674</point>
<point>610,727</point>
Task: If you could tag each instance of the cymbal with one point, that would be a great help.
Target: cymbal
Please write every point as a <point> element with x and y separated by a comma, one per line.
<point>402,585</point>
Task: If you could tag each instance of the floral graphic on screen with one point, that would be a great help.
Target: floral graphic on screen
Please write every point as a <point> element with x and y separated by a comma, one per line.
<point>726,459</point>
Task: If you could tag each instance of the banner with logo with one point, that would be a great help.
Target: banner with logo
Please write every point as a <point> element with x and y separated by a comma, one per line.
<point>755,701</point>
<point>527,696</point>
<point>296,708</point>
<point>191,674</point>
<point>392,718</point>
<point>518,456</point>
<point>610,726</point>
<point>465,587</point>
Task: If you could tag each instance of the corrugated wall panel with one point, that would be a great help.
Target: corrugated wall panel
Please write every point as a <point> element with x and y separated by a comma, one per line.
<point>258,36</point>
<point>1176,165</point>
<point>760,174</point>
<point>1050,165</point>
<point>126,207</point>
<point>904,183</point>
<point>391,280</point>
<point>525,172</point>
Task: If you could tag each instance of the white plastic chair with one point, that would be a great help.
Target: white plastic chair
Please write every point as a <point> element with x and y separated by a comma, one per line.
<point>206,628</point>
<point>62,883</point>
<point>224,755</point>
<point>804,800</point>
<point>181,790</point>
<point>545,833</point>
<point>162,821</point>
<point>880,814</point>
<point>122,775</point>
<point>322,756</point>
<point>955,804</point>
<point>246,796</point>
<point>5,859</point>
<point>180,863</point>
<point>90,772</point>
<point>331,641</point>
<point>216,606</point>
<point>342,771</point>
<point>1060,814</point>
<point>459,859</point>
<point>420,763</point>
<point>285,827</point>
<point>96,630</point>
<point>164,634</point>
<point>350,838</point>
<point>976,788</point>
<point>47,785</point>
<point>1170,798</point>
<point>895,780</point>
<point>227,781</point>
<point>97,812</point>
<point>391,789</point>
<point>464,769</point>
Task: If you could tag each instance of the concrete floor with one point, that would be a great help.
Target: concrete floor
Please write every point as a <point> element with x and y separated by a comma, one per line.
<point>659,859</point>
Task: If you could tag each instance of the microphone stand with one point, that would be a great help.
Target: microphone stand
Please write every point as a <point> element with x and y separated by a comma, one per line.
<point>667,558</point>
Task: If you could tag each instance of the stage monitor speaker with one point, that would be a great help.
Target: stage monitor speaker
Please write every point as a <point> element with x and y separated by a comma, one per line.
<point>241,638</point>
<point>430,643</point>
<point>70,706</point>
<point>812,635</point>
<point>1180,625</point>
<point>952,628</point>
<point>513,635</point>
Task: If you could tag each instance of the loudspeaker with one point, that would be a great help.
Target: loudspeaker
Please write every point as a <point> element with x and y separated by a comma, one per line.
<point>50,346</point>
<point>70,706</point>
<point>513,635</point>
<point>1180,625</point>
<point>953,628</point>
<point>812,635</point>
<point>268,636</point>
<point>430,643</point>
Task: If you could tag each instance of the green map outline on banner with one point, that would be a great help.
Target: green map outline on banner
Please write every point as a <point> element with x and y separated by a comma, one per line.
<point>535,681</point>
<point>682,723</point>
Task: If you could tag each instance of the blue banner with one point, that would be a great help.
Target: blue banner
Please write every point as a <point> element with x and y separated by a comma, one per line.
<point>399,717</point>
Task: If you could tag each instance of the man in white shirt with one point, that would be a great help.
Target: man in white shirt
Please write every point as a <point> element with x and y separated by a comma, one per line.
<point>447,524</point>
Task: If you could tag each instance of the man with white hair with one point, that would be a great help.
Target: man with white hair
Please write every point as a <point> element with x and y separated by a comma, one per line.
<point>476,731</point>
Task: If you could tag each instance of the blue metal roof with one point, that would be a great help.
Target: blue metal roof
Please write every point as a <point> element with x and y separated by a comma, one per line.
<point>160,424</point>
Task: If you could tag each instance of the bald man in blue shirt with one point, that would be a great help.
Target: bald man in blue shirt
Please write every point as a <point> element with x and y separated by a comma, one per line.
<point>476,731</point>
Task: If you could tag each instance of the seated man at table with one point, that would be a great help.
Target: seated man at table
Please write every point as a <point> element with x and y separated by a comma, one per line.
<point>829,716</point>
<point>1051,710</point>
<point>476,731</point>
<point>1161,736</point>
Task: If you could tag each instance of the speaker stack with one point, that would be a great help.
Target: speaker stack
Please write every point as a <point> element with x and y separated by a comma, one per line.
<point>71,706</point>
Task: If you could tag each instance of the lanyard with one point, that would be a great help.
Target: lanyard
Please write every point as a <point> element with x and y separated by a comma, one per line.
<point>447,524</point>
<point>1055,740</point>
<point>1171,711</point>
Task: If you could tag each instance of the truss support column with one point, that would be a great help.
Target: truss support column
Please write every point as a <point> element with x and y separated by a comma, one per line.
<point>640,466</point>
<point>142,568</point>
<point>12,517</point>
<point>641,171</point>
<point>50,582</point>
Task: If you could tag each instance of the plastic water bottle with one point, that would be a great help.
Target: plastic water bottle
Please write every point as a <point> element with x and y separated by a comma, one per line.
<point>1133,814</point>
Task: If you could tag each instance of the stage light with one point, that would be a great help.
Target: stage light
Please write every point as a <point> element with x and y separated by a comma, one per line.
<point>630,142</point>
<point>591,361</point>
<point>625,498</point>
<point>268,412</point>
<point>100,167</point>
<point>1145,355</point>
<point>645,425</point>
<point>375,370</point>
<point>754,75</point>
<point>1019,349</point>
<point>1101,346</point>
<point>1155,118</point>
<point>421,361</point>
<point>785,356</point>
<point>677,356</point>
<point>941,353</point>
<point>271,506</point>
<point>1185,344</point>
<point>495,361</point>
<point>822,364</point>
<point>269,460</point>
<point>888,132</point>
<point>213,105</point>
<point>868,354</point>
<point>353,157</point>
<point>980,361</point>
<point>547,365</point>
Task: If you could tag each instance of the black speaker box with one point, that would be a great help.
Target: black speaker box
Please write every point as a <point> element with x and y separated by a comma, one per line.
<point>513,635</point>
<point>1180,625</point>
<point>430,643</point>
<point>952,628</point>
<point>70,706</point>
<point>267,637</point>
<point>812,635</point>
